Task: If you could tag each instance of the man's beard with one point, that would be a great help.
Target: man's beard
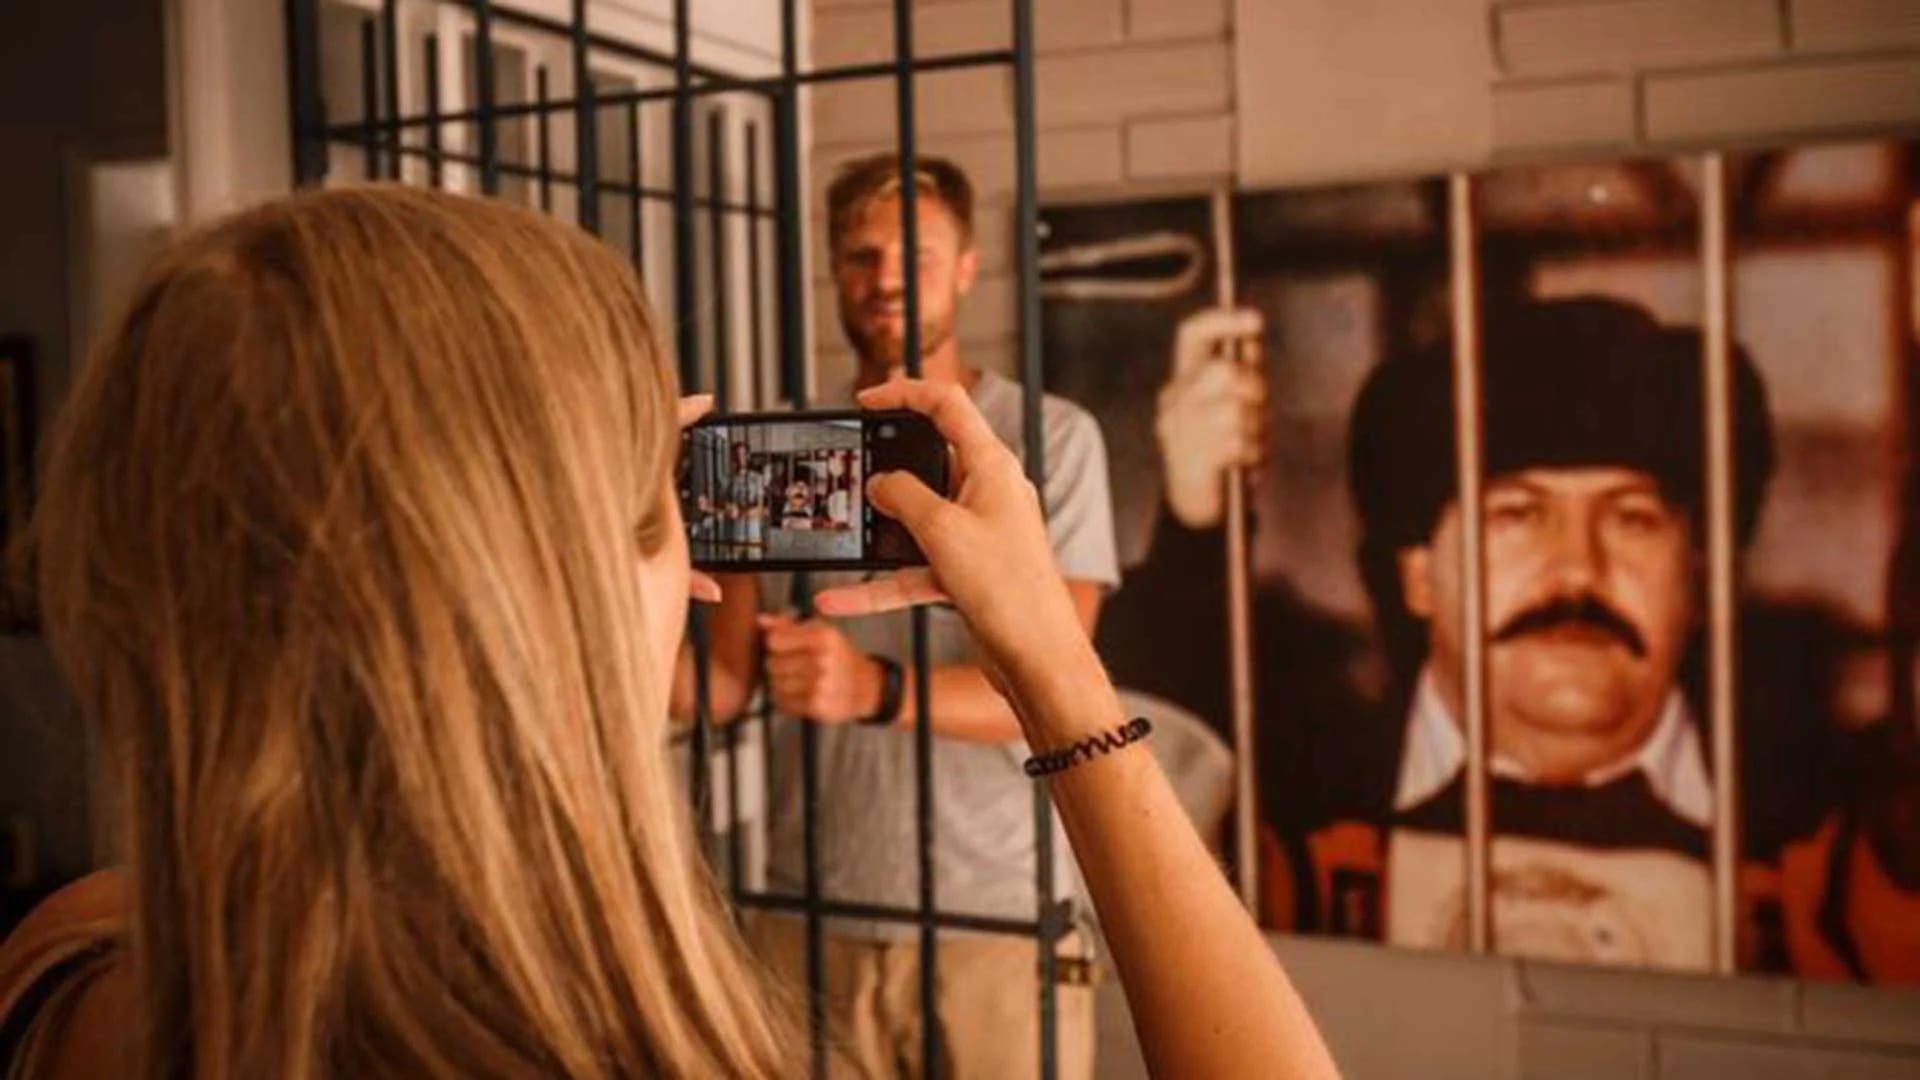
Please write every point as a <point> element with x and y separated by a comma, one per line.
<point>888,350</point>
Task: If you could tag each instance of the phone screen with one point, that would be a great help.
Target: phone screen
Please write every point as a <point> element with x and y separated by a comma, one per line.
<point>788,491</point>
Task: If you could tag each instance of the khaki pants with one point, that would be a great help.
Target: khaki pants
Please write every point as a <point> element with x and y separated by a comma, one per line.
<point>988,1002</point>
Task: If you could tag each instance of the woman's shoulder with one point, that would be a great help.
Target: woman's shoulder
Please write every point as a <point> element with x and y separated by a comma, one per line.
<point>65,983</point>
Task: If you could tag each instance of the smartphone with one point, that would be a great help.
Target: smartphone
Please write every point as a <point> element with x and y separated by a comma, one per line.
<point>787,491</point>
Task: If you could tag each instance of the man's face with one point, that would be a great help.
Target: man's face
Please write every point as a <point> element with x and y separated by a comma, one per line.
<point>1589,605</point>
<point>739,456</point>
<point>869,269</point>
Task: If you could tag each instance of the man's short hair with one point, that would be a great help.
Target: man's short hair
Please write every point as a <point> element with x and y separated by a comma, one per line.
<point>1586,382</point>
<point>863,180</point>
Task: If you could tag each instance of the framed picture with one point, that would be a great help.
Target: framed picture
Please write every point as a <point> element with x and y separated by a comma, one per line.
<point>16,467</point>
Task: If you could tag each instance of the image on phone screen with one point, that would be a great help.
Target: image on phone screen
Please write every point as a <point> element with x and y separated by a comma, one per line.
<point>785,491</point>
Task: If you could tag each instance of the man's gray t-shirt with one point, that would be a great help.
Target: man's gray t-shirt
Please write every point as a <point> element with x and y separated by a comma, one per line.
<point>982,800</point>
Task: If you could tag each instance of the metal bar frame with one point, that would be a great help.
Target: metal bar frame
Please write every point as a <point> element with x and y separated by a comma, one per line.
<point>1054,918</point>
<point>686,334</point>
<point>390,81</point>
<point>383,134</point>
<point>430,57</point>
<point>586,127</point>
<point>907,142</point>
<point>768,87</point>
<point>370,96</point>
<point>483,116</point>
<point>636,206</point>
<point>543,140</point>
<point>566,176</point>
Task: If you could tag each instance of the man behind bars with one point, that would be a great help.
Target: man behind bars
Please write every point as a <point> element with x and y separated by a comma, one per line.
<point>1595,526</point>
<point>855,678</point>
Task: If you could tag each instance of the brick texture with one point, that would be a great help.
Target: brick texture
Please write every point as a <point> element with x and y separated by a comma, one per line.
<point>1337,91</point>
<point>1803,99</point>
<point>1614,35</point>
<point>1854,1012</point>
<point>1563,115</point>
<point>1400,1012</point>
<point>1756,1004</point>
<point>1183,149</point>
<point>1108,85</point>
<point>1172,19</point>
<point>1829,25</point>
<point>1568,1052</point>
<point>972,101</point>
<point>1690,1057</point>
<point>864,35</point>
<point>1079,158</point>
<point>844,34</point>
<point>1075,24</point>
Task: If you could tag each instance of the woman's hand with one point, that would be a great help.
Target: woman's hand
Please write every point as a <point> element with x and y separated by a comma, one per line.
<point>987,547</point>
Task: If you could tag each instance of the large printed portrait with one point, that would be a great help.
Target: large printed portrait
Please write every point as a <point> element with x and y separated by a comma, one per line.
<point>1602,781</point>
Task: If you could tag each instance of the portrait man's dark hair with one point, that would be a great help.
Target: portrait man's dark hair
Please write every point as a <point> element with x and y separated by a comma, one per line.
<point>1580,383</point>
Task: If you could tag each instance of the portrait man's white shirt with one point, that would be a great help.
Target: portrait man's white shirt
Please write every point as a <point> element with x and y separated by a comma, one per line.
<point>1634,905</point>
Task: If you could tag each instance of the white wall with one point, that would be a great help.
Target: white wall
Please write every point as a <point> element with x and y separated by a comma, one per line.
<point>1349,91</point>
<point>1393,1013</point>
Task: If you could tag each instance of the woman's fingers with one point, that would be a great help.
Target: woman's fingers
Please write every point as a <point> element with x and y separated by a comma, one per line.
<point>703,588</point>
<point>693,407</point>
<point>789,667</point>
<point>907,588</point>
<point>907,499</point>
<point>946,404</point>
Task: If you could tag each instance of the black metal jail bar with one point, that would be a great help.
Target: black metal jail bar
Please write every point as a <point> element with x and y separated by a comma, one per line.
<point>687,337</point>
<point>907,131</point>
<point>381,133</point>
<point>764,86</point>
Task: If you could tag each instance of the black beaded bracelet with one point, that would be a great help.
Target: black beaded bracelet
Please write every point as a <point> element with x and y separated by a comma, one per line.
<point>1104,743</point>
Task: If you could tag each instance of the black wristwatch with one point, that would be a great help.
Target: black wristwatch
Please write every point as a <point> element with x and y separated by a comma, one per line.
<point>892,690</point>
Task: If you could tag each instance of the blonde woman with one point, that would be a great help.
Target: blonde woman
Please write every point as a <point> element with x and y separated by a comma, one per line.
<point>359,544</point>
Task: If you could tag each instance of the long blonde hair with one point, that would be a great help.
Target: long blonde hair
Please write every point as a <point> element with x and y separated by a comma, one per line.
<point>338,547</point>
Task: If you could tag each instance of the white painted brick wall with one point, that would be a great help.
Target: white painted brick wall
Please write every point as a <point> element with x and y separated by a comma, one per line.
<point>1580,114</point>
<point>1188,148</point>
<point>1614,35</point>
<point>1697,1057</point>
<point>1830,25</point>
<point>1397,1013</point>
<point>1337,91</point>
<point>862,32</point>
<point>1852,1012</point>
<point>1116,84</point>
<point>1799,100</point>
<point>1161,20</point>
<point>1554,1051</point>
<point>1706,1001</point>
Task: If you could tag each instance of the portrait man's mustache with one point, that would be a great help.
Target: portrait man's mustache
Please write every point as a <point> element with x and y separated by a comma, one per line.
<point>1586,610</point>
